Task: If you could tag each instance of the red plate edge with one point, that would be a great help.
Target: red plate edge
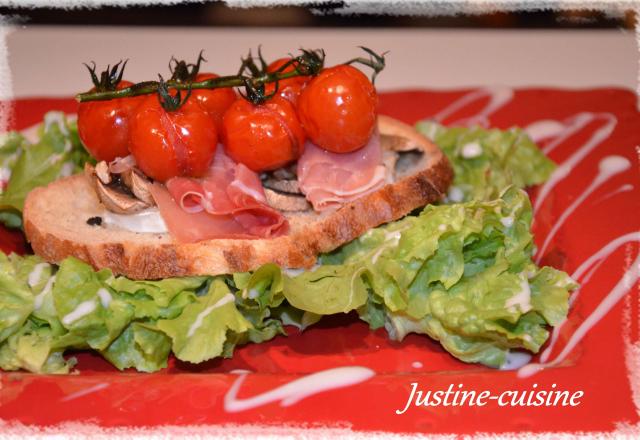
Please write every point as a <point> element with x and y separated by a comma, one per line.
<point>599,366</point>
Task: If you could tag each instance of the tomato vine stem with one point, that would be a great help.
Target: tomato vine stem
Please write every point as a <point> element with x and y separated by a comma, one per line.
<point>148,87</point>
<point>309,63</point>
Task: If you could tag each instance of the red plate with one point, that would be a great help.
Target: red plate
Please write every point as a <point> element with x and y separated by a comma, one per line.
<point>583,128</point>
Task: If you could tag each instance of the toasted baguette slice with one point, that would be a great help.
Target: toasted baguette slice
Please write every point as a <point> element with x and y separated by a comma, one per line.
<point>55,219</point>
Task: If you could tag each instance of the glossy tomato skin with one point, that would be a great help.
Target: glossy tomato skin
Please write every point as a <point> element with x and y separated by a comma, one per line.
<point>214,101</point>
<point>289,88</point>
<point>263,137</point>
<point>338,109</point>
<point>103,126</point>
<point>176,143</point>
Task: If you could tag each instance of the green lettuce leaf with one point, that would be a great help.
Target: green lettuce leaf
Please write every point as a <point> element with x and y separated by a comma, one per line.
<point>88,309</point>
<point>485,162</point>
<point>199,333</point>
<point>33,348</point>
<point>327,290</point>
<point>140,346</point>
<point>469,283</point>
<point>57,153</point>
<point>16,298</point>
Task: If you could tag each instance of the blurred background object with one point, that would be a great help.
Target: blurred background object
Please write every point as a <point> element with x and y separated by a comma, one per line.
<point>433,48</point>
<point>320,14</point>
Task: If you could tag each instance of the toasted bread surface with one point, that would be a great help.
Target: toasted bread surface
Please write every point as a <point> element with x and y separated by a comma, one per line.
<point>55,221</point>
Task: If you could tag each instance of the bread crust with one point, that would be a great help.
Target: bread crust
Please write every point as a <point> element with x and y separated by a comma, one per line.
<point>155,256</point>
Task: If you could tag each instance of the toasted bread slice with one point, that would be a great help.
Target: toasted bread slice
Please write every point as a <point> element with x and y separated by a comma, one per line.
<point>55,220</point>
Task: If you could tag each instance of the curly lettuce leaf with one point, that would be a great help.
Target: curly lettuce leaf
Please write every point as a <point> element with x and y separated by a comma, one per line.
<point>16,298</point>
<point>33,348</point>
<point>87,308</point>
<point>327,290</point>
<point>25,166</point>
<point>140,346</point>
<point>485,162</point>
<point>469,283</point>
<point>199,333</point>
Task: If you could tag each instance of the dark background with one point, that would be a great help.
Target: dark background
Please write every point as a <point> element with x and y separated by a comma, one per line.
<point>314,14</point>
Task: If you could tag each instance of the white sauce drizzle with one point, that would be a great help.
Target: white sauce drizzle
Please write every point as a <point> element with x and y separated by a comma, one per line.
<point>31,133</point>
<point>522,299</point>
<point>292,392</point>
<point>516,360</point>
<point>609,167</point>
<point>83,309</point>
<point>253,294</point>
<point>455,194</point>
<point>568,165</point>
<point>544,129</point>
<point>498,97</point>
<point>198,322</point>
<point>146,221</point>
<point>391,239</point>
<point>105,297</point>
<point>5,174</point>
<point>84,392</point>
<point>292,273</point>
<point>39,299</point>
<point>55,118</point>
<point>507,222</point>
<point>588,267</point>
<point>36,274</point>
<point>560,132</point>
<point>471,150</point>
<point>622,188</point>
<point>610,300</point>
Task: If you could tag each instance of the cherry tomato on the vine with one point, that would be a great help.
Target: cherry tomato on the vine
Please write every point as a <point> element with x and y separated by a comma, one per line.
<point>103,126</point>
<point>214,101</point>
<point>289,88</point>
<point>167,144</point>
<point>263,137</point>
<point>337,109</point>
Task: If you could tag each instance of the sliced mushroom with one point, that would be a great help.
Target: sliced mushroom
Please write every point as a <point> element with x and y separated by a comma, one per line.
<point>407,151</point>
<point>102,171</point>
<point>283,186</point>
<point>285,173</point>
<point>138,184</point>
<point>286,202</point>
<point>117,201</point>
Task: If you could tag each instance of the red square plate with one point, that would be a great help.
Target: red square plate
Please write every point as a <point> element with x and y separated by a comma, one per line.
<point>586,223</point>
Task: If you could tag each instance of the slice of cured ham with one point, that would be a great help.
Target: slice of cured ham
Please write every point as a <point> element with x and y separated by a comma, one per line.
<point>229,202</point>
<point>330,179</point>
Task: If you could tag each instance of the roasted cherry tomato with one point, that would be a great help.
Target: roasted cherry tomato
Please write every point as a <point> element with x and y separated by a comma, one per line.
<point>103,126</point>
<point>337,109</point>
<point>263,137</point>
<point>214,101</point>
<point>167,144</point>
<point>289,88</point>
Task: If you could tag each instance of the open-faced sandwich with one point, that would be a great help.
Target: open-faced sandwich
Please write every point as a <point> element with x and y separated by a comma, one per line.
<point>223,184</point>
<point>268,206</point>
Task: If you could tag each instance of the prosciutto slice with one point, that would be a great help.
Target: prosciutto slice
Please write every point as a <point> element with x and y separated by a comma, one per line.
<point>229,202</point>
<point>330,179</point>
